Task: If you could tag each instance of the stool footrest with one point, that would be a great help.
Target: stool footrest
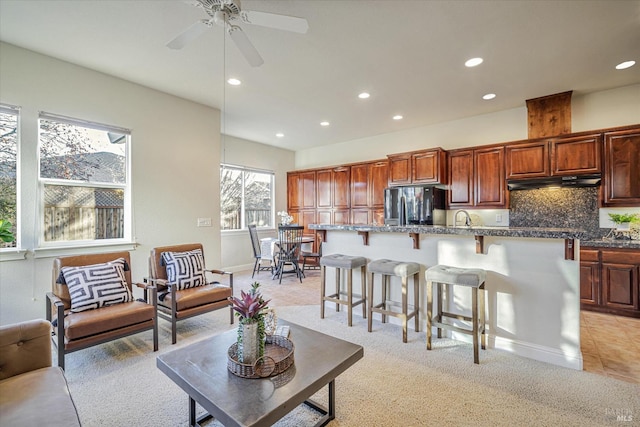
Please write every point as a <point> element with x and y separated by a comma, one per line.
<point>456,316</point>
<point>449,326</point>
<point>334,298</point>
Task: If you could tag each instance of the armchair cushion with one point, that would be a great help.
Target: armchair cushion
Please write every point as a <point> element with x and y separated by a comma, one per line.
<point>184,269</point>
<point>97,285</point>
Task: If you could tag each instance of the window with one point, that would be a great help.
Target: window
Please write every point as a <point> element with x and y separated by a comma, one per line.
<point>8,169</point>
<point>246,197</point>
<point>84,181</point>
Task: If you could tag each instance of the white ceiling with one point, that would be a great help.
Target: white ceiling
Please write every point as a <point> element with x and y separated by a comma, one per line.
<point>408,54</point>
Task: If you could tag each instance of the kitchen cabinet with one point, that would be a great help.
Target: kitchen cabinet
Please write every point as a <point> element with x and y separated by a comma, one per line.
<point>341,187</point>
<point>301,190</point>
<point>324,186</point>
<point>570,155</point>
<point>418,167</point>
<point>621,179</point>
<point>610,280</point>
<point>589,277</point>
<point>477,178</point>
<point>368,181</point>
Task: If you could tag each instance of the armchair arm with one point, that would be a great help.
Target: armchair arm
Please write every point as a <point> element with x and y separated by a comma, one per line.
<point>223,273</point>
<point>54,302</point>
<point>24,347</point>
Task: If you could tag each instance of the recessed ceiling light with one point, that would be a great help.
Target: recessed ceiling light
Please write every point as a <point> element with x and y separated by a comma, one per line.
<point>234,82</point>
<point>364,95</point>
<point>625,64</point>
<point>280,135</point>
<point>324,123</point>
<point>397,117</point>
<point>489,96</point>
<point>473,62</point>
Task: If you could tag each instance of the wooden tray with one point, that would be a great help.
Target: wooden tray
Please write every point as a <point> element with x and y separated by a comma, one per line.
<point>278,357</point>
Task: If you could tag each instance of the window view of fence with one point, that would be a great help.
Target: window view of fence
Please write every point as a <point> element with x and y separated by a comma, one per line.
<point>84,180</point>
<point>8,171</point>
<point>246,197</point>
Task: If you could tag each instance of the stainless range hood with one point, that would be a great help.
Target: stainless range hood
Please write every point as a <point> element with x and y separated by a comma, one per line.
<point>575,181</point>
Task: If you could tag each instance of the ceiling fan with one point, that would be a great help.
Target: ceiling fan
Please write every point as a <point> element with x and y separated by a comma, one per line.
<point>225,13</point>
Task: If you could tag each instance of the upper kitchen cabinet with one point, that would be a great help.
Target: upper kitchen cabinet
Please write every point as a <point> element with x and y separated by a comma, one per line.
<point>301,190</point>
<point>528,160</point>
<point>341,187</point>
<point>477,178</point>
<point>576,155</point>
<point>368,181</point>
<point>571,155</point>
<point>324,186</point>
<point>622,168</point>
<point>419,167</point>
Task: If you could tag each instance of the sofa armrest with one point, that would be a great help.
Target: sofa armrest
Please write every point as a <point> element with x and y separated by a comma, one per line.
<point>24,347</point>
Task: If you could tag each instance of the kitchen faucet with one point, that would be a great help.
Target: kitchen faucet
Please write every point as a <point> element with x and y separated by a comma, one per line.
<point>467,220</point>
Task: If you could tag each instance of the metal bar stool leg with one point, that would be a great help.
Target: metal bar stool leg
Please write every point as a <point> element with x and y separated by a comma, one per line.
<point>323,283</point>
<point>337,287</point>
<point>429,312</point>
<point>371,302</point>
<point>363,279</point>
<point>416,301</point>
<point>405,305</point>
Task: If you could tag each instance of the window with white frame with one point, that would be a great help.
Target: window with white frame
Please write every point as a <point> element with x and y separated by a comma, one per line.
<point>246,197</point>
<point>9,132</point>
<point>84,181</point>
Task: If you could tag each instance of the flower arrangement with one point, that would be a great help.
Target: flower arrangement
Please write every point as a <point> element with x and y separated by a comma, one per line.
<point>249,306</point>
<point>285,218</point>
<point>251,331</point>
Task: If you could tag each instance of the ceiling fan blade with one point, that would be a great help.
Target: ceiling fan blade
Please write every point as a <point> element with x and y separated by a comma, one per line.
<point>271,20</point>
<point>245,46</point>
<point>191,33</point>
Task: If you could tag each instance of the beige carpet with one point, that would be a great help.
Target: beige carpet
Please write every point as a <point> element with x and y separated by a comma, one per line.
<point>395,384</point>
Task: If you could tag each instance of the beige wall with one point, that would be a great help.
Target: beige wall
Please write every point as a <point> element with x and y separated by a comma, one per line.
<point>175,154</point>
<point>237,253</point>
<point>611,108</point>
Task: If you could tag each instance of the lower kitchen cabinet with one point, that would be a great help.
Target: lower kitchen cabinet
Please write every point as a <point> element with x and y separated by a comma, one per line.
<point>610,280</point>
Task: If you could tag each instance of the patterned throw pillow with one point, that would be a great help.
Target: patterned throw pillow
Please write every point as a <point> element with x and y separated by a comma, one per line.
<point>97,285</point>
<point>184,269</point>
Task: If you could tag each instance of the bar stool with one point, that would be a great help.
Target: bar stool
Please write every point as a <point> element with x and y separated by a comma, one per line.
<point>388,268</point>
<point>473,278</point>
<point>343,262</point>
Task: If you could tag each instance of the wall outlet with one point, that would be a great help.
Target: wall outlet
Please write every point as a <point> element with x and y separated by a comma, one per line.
<point>204,222</point>
<point>498,217</point>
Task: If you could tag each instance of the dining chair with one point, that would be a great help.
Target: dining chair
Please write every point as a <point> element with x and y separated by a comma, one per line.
<point>258,253</point>
<point>288,253</point>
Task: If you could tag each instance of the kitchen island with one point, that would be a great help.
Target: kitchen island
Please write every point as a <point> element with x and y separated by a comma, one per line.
<point>533,278</point>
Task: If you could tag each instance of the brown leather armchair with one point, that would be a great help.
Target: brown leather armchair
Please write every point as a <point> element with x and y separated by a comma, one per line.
<point>174,304</point>
<point>78,330</point>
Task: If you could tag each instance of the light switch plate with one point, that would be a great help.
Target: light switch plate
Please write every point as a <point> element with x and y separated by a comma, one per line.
<point>204,222</point>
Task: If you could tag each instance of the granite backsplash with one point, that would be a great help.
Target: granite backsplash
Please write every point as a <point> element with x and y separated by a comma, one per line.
<point>558,207</point>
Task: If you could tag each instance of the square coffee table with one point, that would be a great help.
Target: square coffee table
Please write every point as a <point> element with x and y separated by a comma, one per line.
<point>200,369</point>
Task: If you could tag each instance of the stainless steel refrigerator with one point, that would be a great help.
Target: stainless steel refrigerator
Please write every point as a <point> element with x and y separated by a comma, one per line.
<point>414,205</point>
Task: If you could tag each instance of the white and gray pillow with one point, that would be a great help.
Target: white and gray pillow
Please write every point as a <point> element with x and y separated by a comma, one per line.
<point>184,269</point>
<point>97,285</point>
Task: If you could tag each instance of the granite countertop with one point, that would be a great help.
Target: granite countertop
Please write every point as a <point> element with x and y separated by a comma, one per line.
<point>536,232</point>
<point>611,243</point>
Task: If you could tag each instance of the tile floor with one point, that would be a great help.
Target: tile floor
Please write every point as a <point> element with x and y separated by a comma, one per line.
<point>610,344</point>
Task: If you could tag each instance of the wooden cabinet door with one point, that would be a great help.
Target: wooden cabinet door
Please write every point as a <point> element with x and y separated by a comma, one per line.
<point>308,186</point>
<point>324,216</point>
<point>360,185</point>
<point>341,187</point>
<point>293,191</point>
<point>528,160</point>
<point>589,277</point>
<point>622,168</point>
<point>620,285</point>
<point>620,279</point>
<point>378,181</point>
<point>428,167</point>
<point>489,178</point>
<point>341,216</point>
<point>360,216</point>
<point>305,218</point>
<point>576,155</point>
<point>324,185</point>
<point>400,169</point>
<point>460,192</point>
